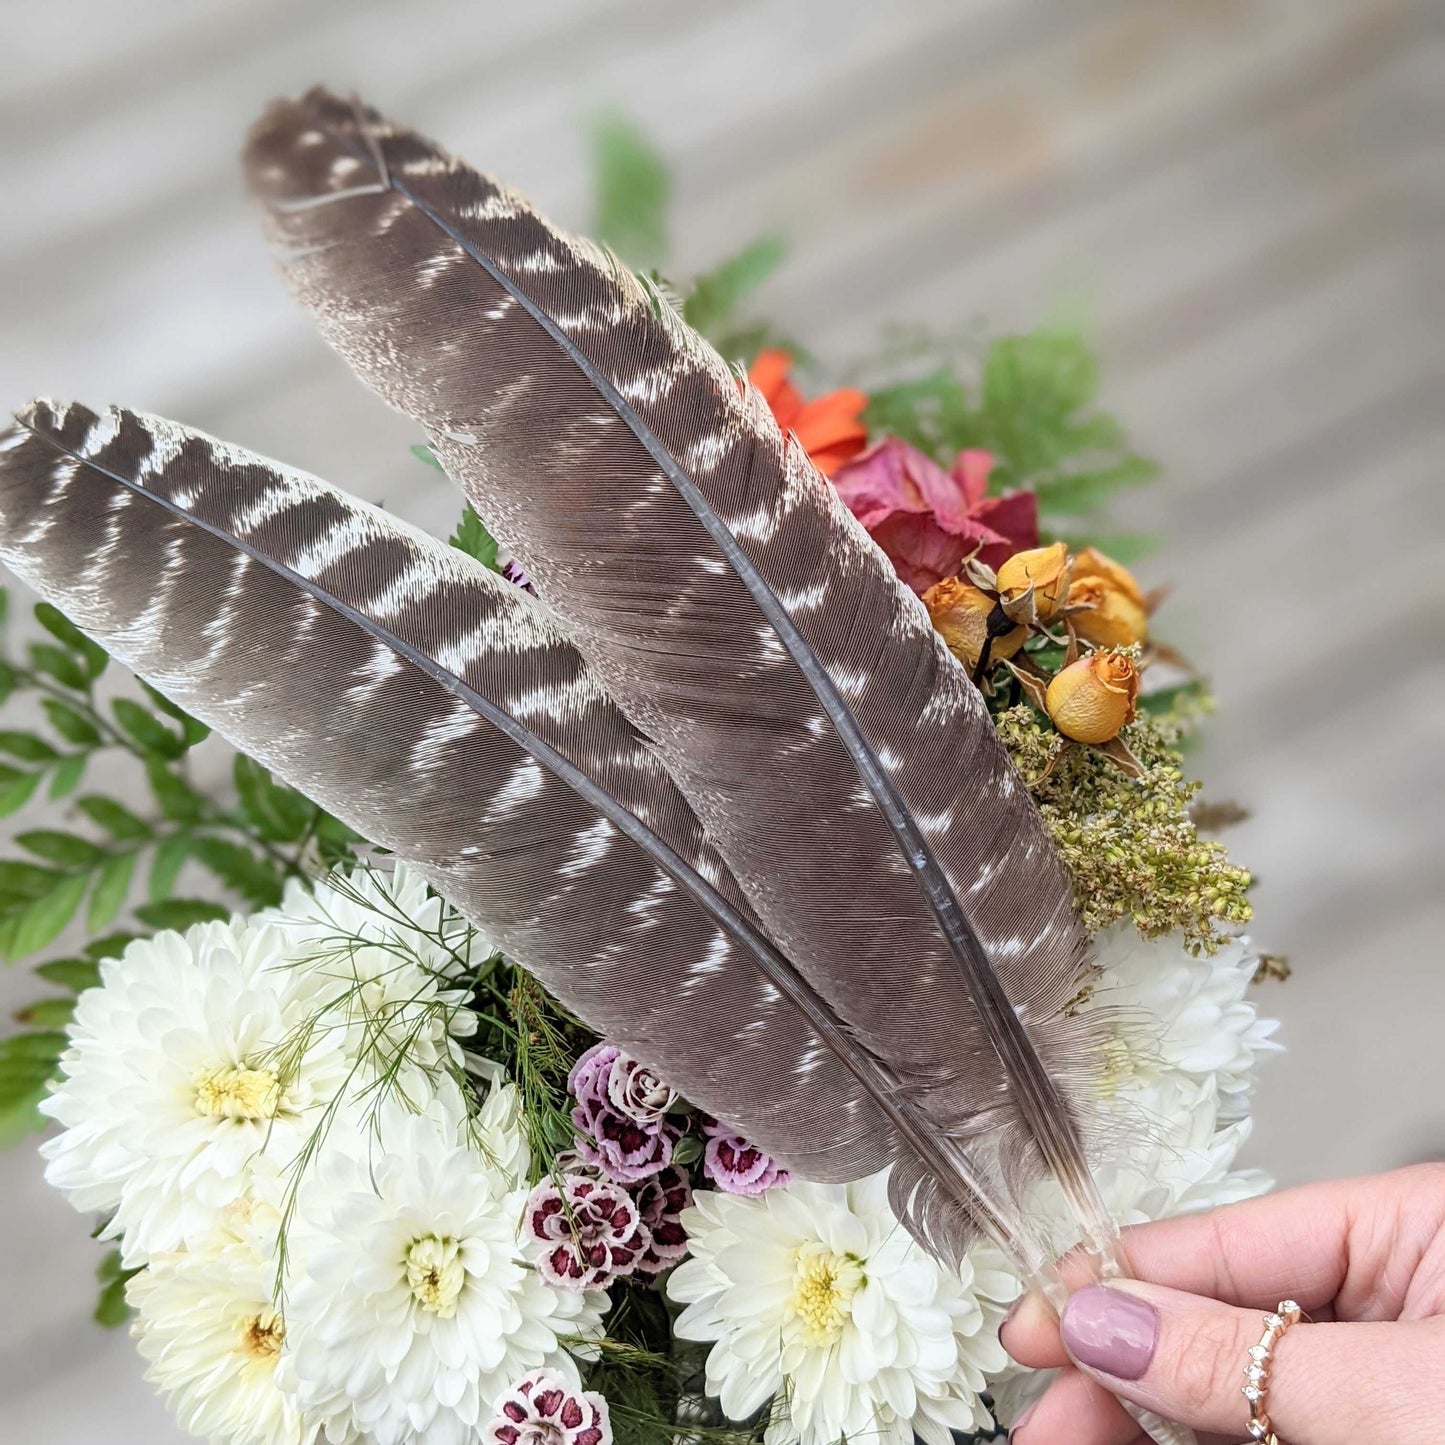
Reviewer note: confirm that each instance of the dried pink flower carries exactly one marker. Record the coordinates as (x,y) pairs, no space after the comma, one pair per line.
(589,1230)
(928,520)
(736,1166)
(660,1201)
(620,1115)
(544,1409)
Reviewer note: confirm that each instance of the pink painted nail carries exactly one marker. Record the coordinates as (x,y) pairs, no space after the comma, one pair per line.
(1110,1331)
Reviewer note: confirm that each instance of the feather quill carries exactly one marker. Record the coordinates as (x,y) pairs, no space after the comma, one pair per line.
(435,707)
(832,747)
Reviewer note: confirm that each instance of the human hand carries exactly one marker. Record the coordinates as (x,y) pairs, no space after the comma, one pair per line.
(1364,1258)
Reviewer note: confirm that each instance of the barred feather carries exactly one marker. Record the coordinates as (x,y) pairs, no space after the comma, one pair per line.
(434,707)
(835,751)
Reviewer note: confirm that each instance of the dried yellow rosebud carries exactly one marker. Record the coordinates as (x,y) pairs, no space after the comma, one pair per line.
(960,612)
(1112,608)
(1091,699)
(1034,585)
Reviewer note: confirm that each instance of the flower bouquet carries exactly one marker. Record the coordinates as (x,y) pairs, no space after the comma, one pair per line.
(519,1101)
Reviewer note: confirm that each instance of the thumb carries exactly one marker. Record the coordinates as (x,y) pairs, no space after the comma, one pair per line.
(1184,1357)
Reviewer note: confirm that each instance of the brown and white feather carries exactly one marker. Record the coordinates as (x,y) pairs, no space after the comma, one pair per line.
(233,584)
(577,410)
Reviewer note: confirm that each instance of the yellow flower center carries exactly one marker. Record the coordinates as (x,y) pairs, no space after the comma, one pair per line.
(1119,1066)
(435,1273)
(823,1290)
(234,1093)
(261,1335)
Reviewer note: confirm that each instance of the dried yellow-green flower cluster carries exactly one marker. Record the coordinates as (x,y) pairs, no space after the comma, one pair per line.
(1129,844)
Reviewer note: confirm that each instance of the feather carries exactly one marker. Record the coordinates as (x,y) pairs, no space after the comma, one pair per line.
(834,750)
(433,706)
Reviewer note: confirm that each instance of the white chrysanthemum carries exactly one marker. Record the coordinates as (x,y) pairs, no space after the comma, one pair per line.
(207,1325)
(498,1134)
(815,1295)
(380,959)
(183,1066)
(1182,1021)
(409,1305)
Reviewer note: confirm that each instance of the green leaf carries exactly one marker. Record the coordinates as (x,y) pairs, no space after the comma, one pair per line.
(177,800)
(181,913)
(47,1013)
(145,731)
(632,191)
(41,1049)
(76,974)
(67,849)
(716,294)
(170,857)
(254,878)
(15,794)
(278,813)
(335,842)
(117,820)
(66,775)
(113,1276)
(42,921)
(193,730)
(92,655)
(111,1268)
(27,747)
(111,946)
(111,1310)
(110,892)
(56,662)
(473,538)
(424,453)
(20,1116)
(73,726)
(931,413)
(26,880)
(8,681)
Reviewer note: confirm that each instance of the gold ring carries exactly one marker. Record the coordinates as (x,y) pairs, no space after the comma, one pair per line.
(1256,1373)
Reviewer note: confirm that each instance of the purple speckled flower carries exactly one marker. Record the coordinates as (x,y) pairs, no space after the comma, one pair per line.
(660,1201)
(544,1409)
(620,1115)
(513,572)
(589,1230)
(736,1166)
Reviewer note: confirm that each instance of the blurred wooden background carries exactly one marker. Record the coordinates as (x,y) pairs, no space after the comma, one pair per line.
(1244,195)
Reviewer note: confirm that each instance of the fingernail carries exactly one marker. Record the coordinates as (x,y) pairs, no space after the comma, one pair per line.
(1013,1309)
(1110,1331)
(1013,1434)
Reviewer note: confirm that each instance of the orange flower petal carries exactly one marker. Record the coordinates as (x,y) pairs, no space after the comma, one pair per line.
(769,373)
